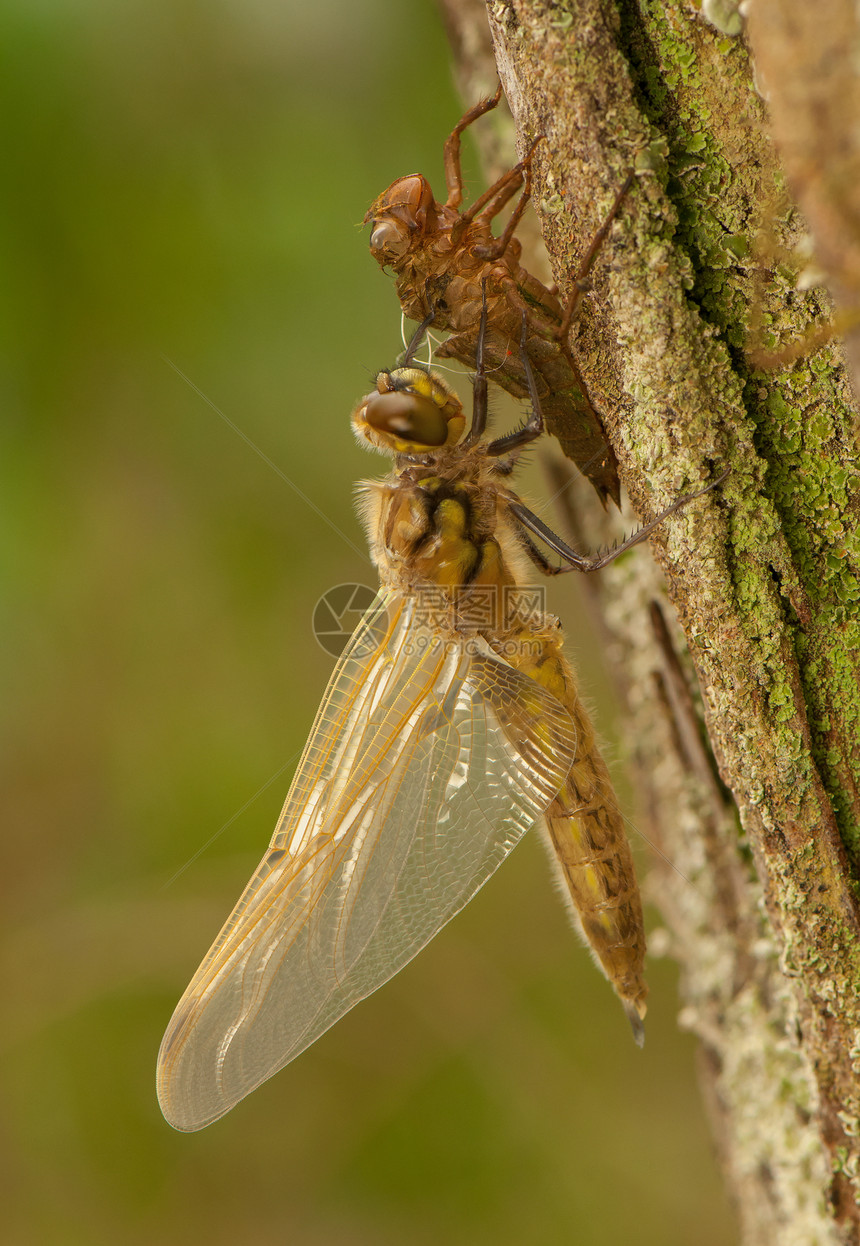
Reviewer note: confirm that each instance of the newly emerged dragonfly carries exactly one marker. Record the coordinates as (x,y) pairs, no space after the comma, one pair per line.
(443,258)
(451,725)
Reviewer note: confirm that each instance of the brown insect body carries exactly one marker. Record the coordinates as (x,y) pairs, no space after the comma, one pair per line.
(443,259)
(451,725)
(444,518)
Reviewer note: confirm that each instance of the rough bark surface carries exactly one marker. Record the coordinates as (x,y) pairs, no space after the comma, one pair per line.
(701,278)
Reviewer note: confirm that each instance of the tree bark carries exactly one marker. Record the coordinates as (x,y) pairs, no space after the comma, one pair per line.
(700,285)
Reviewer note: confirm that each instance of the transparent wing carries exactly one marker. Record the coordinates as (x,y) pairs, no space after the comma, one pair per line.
(428,761)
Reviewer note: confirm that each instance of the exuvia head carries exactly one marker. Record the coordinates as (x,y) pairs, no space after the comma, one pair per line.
(406,211)
(412,411)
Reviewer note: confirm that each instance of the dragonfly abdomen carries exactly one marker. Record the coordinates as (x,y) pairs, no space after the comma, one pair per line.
(588,842)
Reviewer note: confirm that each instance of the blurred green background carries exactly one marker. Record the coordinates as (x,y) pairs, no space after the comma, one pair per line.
(185,183)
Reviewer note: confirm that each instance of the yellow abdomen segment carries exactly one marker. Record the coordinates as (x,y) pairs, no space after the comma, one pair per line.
(586,832)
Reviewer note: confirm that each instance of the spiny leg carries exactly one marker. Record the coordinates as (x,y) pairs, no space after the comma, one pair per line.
(531,430)
(516,300)
(584,406)
(534,426)
(500,244)
(578,562)
(580,286)
(451,151)
(479,380)
(491,202)
(580,281)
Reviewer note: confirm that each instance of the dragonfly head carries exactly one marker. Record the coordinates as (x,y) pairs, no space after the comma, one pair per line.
(411,411)
(406,211)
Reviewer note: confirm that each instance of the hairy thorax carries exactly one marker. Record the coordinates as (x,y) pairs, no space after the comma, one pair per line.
(441,524)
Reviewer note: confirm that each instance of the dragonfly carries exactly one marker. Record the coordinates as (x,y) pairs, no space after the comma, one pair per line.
(450,727)
(444,257)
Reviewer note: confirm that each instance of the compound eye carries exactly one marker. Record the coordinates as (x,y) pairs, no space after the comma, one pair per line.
(390,237)
(408,417)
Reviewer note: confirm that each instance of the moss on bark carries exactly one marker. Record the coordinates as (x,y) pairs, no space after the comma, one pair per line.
(700,280)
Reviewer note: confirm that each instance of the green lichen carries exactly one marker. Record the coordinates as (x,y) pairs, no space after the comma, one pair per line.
(804,422)
(756,588)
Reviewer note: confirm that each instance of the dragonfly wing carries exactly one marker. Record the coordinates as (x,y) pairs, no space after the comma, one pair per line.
(429,759)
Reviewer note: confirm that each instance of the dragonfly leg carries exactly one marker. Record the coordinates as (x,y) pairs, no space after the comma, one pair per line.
(499,246)
(578,562)
(417,338)
(451,150)
(516,300)
(534,426)
(536,554)
(479,380)
(491,202)
(580,281)
(519,304)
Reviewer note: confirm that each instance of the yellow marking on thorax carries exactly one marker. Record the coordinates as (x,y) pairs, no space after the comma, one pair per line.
(451,557)
(492,569)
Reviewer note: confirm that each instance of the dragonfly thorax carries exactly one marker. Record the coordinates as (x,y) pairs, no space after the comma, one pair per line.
(434,528)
